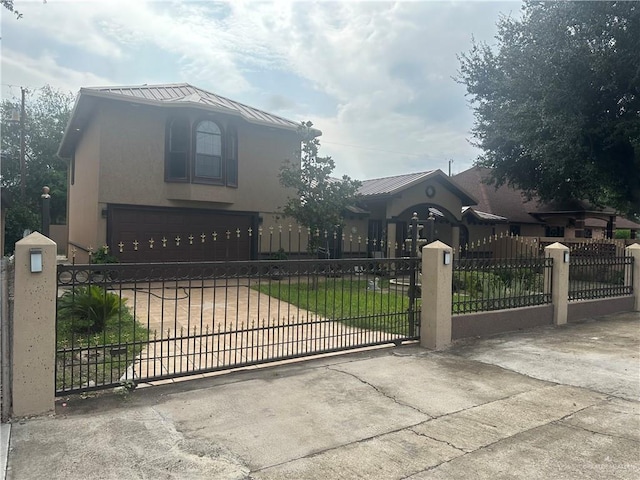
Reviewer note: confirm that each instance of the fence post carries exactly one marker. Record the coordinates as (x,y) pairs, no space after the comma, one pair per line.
(34,322)
(437,266)
(559,281)
(634,251)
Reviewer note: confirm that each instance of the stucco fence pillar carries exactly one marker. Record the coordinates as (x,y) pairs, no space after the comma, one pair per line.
(435,319)
(34,321)
(634,251)
(559,281)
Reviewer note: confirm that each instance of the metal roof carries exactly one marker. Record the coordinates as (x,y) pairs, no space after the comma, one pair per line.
(165,95)
(381,187)
(184,93)
(391,185)
(488,217)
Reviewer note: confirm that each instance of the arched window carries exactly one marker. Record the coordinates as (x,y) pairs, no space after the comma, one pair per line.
(178,146)
(208,151)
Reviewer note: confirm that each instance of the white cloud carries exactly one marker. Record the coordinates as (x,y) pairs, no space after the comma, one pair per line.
(35,72)
(386,67)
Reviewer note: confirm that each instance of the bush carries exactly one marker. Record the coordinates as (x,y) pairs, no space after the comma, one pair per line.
(87,309)
(473,282)
(102,255)
(19,218)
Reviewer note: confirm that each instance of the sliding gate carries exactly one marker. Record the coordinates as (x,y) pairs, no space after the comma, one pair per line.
(119,324)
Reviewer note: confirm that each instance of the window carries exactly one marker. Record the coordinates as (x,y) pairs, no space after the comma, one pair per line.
(554,231)
(201,152)
(232,158)
(208,162)
(514,230)
(178,147)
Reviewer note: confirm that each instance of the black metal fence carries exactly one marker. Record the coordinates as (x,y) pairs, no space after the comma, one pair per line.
(128,323)
(600,276)
(487,284)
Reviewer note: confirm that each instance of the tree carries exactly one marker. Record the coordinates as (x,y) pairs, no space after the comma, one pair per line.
(47,112)
(557,102)
(8,4)
(321,199)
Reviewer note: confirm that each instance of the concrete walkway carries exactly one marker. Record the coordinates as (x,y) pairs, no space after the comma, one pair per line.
(549,403)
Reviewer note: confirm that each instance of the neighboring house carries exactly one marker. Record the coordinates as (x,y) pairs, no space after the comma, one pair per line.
(531,218)
(387,204)
(170,163)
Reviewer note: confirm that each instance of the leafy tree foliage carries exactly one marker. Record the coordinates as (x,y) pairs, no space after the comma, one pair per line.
(47,112)
(8,4)
(557,101)
(320,199)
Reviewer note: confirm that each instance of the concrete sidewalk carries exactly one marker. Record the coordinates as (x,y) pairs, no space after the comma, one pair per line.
(549,403)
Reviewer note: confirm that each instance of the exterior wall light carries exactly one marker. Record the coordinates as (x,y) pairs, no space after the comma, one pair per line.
(566,256)
(36,260)
(447,257)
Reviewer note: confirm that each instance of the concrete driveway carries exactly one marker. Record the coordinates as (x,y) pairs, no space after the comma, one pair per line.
(548,403)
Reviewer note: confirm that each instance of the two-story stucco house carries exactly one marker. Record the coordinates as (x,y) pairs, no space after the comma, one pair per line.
(156,160)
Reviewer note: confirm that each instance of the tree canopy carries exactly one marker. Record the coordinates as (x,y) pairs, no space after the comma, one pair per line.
(8,4)
(47,112)
(557,101)
(320,199)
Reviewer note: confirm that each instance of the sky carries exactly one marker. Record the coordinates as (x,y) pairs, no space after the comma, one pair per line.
(375,77)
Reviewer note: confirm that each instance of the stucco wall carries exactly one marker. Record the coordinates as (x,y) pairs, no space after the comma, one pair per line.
(132,151)
(416,196)
(83,209)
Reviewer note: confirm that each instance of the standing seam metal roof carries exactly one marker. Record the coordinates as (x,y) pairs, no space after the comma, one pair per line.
(390,185)
(184,92)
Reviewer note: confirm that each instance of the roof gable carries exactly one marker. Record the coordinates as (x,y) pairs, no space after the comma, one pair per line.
(387,186)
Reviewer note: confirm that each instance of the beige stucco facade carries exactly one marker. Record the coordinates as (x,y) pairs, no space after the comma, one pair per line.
(120,160)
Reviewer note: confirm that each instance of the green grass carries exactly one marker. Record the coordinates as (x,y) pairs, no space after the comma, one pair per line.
(116,345)
(347,301)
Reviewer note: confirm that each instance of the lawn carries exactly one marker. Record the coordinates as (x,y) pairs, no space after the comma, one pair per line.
(97,339)
(347,301)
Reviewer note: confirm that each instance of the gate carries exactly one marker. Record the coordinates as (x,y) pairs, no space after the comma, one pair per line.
(121,324)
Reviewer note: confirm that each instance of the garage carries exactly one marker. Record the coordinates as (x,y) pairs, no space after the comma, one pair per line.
(151,234)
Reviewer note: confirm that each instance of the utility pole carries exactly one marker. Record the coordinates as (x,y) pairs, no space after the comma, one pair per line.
(23,166)
(450,162)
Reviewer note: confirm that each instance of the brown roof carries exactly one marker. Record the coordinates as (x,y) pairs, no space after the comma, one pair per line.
(512,203)
(504,201)
(625,223)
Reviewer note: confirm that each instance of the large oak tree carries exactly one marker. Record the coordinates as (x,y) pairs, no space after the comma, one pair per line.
(557,101)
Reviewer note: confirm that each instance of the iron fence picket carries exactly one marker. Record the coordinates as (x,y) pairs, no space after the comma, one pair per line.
(592,277)
(177,319)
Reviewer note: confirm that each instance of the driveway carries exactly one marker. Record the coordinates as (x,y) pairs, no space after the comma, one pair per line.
(548,403)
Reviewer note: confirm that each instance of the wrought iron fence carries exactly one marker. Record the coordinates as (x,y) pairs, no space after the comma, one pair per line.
(275,242)
(487,284)
(121,323)
(600,276)
(501,246)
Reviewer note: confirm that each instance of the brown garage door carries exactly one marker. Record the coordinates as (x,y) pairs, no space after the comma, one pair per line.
(179,235)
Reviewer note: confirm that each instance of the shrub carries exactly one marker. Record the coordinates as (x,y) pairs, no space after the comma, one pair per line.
(473,282)
(102,255)
(87,309)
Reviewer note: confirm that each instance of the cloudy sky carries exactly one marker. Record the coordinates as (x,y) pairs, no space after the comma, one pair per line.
(375,77)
